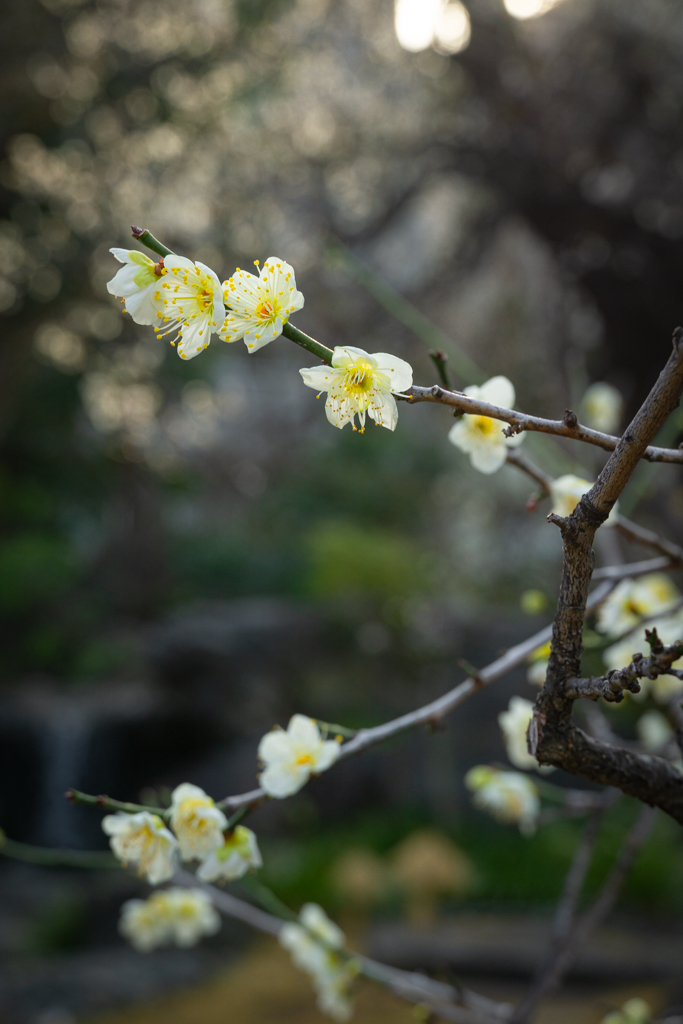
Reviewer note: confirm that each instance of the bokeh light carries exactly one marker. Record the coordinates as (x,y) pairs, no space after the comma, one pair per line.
(529,8)
(453,30)
(423,23)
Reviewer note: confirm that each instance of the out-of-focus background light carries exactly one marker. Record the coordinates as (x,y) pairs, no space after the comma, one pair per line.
(529,8)
(423,23)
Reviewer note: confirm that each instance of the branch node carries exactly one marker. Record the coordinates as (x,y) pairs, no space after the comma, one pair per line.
(137,232)
(570,419)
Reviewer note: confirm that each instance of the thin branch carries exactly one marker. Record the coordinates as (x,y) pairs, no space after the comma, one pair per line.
(147,238)
(108,803)
(611,686)
(575,936)
(91,859)
(640,535)
(633,569)
(440,360)
(436,710)
(544,480)
(568,427)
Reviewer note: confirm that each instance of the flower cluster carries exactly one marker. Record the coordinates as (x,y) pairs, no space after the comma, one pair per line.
(510,797)
(179,917)
(315,945)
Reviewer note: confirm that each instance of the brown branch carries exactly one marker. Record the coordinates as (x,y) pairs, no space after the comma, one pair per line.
(633,569)
(611,686)
(640,535)
(519,421)
(552,737)
(544,480)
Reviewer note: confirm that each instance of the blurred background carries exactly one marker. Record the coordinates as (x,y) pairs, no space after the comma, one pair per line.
(190,553)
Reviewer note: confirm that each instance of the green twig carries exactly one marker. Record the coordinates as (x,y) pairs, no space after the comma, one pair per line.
(107,803)
(440,359)
(267,898)
(56,857)
(299,338)
(148,239)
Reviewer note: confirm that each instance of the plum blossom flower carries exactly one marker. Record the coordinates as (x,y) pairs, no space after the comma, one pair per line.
(514,724)
(291,757)
(313,946)
(481,437)
(174,916)
(663,688)
(259,307)
(654,732)
(136,283)
(566,493)
(143,840)
(538,664)
(602,407)
(632,600)
(357,383)
(196,821)
(634,1011)
(189,300)
(238,854)
(510,797)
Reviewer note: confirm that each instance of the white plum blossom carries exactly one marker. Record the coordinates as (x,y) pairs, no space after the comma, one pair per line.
(514,724)
(196,821)
(538,664)
(313,946)
(358,382)
(663,688)
(602,407)
(174,916)
(135,283)
(632,600)
(654,732)
(484,438)
(143,840)
(566,493)
(291,757)
(238,854)
(510,797)
(259,307)
(634,1011)
(189,301)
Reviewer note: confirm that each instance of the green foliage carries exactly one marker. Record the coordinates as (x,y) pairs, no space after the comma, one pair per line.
(34,568)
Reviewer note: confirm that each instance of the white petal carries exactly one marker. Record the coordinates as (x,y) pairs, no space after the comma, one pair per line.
(275,746)
(262,335)
(174,262)
(320,378)
(142,307)
(123,283)
(387,413)
(327,756)
(488,458)
(303,731)
(498,391)
(338,413)
(214,277)
(461,436)
(186,791)
(279,781)
(399,372)
(345,354)
(122,255)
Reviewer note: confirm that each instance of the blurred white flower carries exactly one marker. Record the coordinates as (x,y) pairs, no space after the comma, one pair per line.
(439,23)
(510,797)
(196,821)
(259,307)
(669,630)
(291,757)
(143,840)
(514,724)
(189,300)
(654,732)
(136,283)
(538,664)
(602,407)
(357,383)
(566,493)
(524,9)
(238,854)
(632,600)
(481,437)
(634,1011)
(312,945)
(174,916)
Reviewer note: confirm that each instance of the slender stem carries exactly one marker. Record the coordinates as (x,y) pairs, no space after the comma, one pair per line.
(147,238)
(91,859)
(299,338)
(440,360)
(108,803)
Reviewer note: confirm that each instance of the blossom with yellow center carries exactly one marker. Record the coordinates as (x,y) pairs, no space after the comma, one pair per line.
(136,283)
(566,493)
(632,600)
(538,664)
(510,797)
(143,840)
(238,854)
(189,301)
(481,437)
(174,916)
(291,757)
(196,821)
(602,407)
(358,382)
(259,307)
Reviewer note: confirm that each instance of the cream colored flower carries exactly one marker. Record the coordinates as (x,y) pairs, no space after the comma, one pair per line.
(632,600)
(566,493)
(669,630)
(259,307)
(238,854)
(602,407)
(634,1011)
(196,821)
(481,437)
(313,946)
(514,724)
(143,840)
(136,283)
(174,916)
(538,665)
(291,757)
(357,383)
(654,732)
(189,301)
(510,797)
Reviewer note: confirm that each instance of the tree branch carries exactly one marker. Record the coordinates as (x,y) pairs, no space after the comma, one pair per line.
(611,686)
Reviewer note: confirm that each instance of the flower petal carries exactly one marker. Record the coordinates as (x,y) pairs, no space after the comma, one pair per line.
(400,372)
(488,458)
(498,391)
(275,746)
(320,378)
